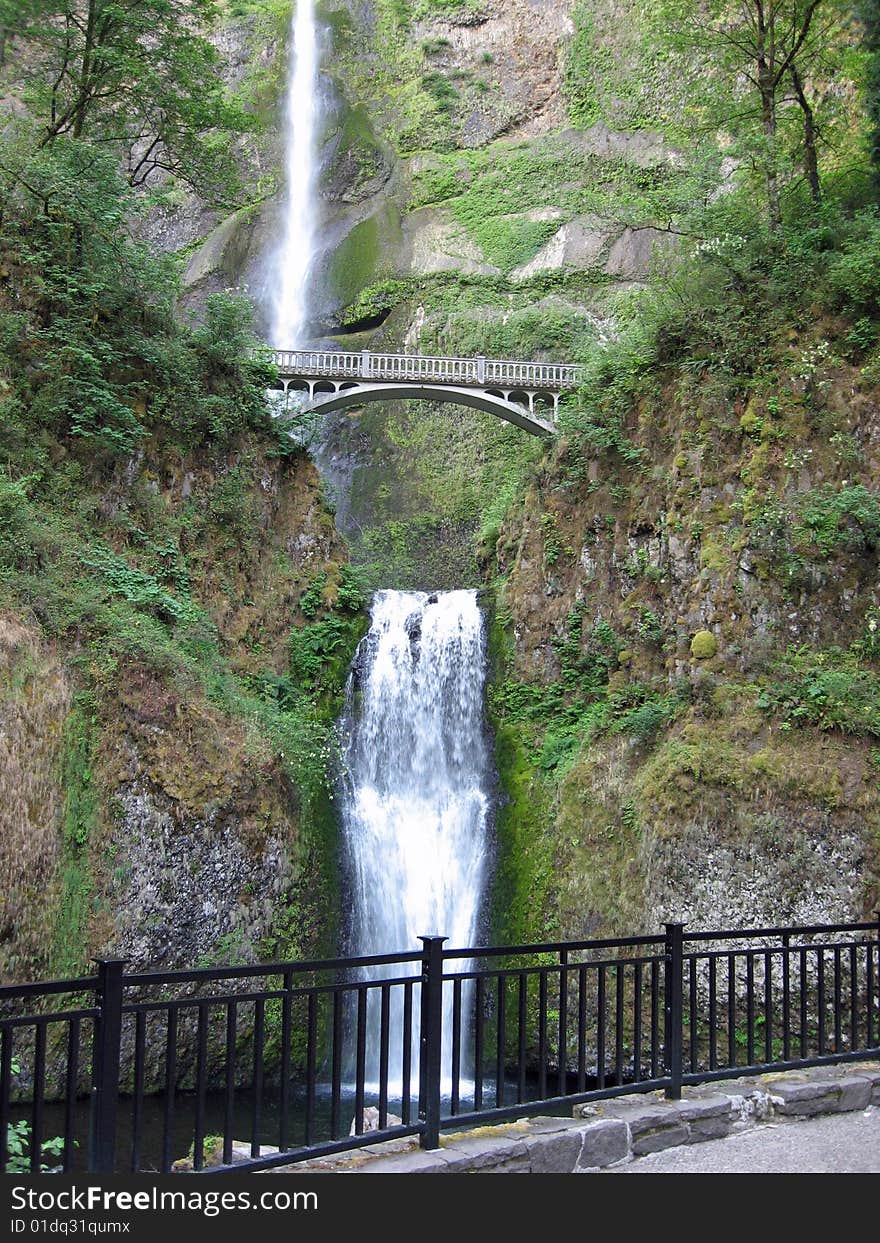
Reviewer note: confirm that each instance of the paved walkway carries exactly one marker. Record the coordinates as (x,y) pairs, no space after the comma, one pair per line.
(835,1144)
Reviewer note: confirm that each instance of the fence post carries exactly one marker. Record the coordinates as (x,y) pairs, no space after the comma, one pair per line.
(366,367)
(870,970)
(106,1040)
(431,1040)
(481,369)
(674,1008)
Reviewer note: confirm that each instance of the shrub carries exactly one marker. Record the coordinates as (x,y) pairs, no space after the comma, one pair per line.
(704,645)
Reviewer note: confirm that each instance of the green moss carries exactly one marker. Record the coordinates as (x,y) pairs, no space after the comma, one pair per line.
(365,255)
(70,923)
(704,645)
(524,855)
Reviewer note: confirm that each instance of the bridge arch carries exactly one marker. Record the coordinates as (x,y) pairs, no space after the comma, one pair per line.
(490,403)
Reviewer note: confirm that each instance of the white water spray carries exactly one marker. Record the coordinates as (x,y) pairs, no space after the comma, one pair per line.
(294,259)
(416,798)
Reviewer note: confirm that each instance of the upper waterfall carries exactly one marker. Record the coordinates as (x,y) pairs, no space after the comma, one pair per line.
(290,294)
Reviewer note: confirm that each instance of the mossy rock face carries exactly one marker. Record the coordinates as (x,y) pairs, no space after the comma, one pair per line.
(704,645)
(369,251)
(225,251)
(359,165)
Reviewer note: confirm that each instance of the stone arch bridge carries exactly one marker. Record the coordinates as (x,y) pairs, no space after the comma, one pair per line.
(524,393)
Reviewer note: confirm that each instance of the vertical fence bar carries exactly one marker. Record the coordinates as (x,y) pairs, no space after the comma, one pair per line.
(478,1042)
(284,1101)
(107,1037)
(713,1012)
(674,1010)
(5,1089)
(431,1040)
(750,1008)
(360,1073)
(582,1026)
(201,1088)
(542,1034)
(869,990)
(36,1137)
(170,1088)
(71,1086)
(692,1015)
(259,1039)
(229,1074)
(655,1019)
(456,1046)
(731,1010)
(406,1070)
(137,1106)
(521,1039)
(853,999)
(384,1042)
(311,1067)
(820,998)
(871,947)
(336,1068)
(786,996)
(562,1044)
(637,1022)
(600,1026)
(619,981)
(838,988)
(768,1006)
(501,1033)
(802,1000)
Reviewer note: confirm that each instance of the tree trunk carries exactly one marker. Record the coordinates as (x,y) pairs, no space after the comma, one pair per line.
(768,118)
(85,72)
(811,162)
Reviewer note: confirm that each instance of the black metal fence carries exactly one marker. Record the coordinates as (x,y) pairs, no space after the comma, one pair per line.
(259,1066)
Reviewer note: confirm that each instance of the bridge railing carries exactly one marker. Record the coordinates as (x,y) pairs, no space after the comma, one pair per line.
(272,1063)
(372,365)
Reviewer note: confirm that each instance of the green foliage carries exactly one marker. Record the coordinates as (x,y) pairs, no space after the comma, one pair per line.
(831,690)
(71,922)
(561,717)
(585,59)
(832,519)
(140,78)
(91,344)
(140,589)
(644,721)
(854,274)
(375,301)
(18,1137)
(14,518)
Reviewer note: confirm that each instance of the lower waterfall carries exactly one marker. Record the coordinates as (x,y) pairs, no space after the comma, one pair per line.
(416,785)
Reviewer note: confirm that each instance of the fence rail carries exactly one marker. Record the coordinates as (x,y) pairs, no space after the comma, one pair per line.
(373,366)
(263,1065)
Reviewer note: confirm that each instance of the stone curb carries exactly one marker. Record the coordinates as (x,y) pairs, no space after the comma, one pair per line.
(608,1132)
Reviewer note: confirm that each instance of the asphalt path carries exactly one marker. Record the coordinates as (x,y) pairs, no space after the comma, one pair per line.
(833,1144)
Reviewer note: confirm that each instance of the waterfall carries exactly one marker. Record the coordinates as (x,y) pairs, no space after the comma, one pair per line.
(294,258)
(415,800)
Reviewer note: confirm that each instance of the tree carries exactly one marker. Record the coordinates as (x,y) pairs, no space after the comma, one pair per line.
(870,15)
(138,75)
(757,56)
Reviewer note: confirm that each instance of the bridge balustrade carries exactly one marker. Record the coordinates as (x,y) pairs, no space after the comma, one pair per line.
(371,365)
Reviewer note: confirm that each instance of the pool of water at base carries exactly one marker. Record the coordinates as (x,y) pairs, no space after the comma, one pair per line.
(152,1125)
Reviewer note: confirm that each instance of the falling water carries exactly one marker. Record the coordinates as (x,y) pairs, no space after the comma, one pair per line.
(416,788)
(291,271)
